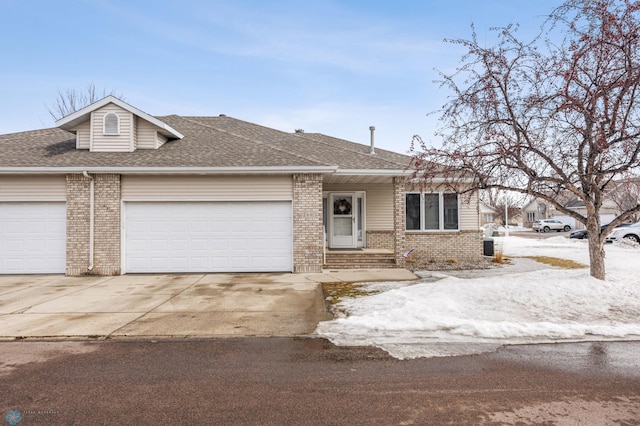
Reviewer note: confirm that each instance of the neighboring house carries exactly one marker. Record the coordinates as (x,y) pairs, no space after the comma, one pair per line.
(488,214)
(112,190)
(536,209)
(516,220)
(540,209)
(608,211)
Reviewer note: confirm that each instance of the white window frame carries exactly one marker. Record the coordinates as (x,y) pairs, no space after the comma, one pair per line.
(531,216)
(440,212)
(104,124)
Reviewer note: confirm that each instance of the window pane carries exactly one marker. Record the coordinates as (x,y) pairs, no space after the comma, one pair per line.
(359,217)
(111,123)
(431,211)
(412,207)
(450,202)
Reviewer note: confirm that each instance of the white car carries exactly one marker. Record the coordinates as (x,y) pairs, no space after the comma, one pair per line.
(546,225)
(631,232)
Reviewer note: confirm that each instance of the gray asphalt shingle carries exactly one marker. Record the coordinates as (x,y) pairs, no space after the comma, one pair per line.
(208,142)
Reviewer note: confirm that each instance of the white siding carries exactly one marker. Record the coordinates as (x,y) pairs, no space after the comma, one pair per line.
(111,143)
(469,213)
(161,139)
(83,140)
(33,188)
(134,132)
(148,135)
(378,203)
(206,188)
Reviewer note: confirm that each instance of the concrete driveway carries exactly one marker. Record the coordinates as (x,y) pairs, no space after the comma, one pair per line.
(156,306)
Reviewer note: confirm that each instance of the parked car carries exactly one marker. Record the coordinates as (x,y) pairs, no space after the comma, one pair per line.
(631,232)
(582,234)
(546,225)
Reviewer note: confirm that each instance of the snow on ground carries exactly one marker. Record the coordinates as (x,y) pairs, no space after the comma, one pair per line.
(456,316)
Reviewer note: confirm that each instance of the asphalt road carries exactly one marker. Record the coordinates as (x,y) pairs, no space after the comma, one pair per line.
(276,381)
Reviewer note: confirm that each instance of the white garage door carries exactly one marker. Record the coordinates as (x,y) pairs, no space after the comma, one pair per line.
(208,237)
(32,238)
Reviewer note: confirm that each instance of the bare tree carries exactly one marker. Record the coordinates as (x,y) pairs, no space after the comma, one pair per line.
(556,114)
(71,100)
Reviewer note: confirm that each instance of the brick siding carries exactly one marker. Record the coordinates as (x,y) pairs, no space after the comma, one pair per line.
(307,223)
(380,239)
(399,228)
(445,246)
(106,247)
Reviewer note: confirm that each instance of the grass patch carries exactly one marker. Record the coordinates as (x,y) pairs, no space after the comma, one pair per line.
(499,258)
(556,261)
(335,292)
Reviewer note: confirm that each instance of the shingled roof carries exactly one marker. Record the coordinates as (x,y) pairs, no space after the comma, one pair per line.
(208,142)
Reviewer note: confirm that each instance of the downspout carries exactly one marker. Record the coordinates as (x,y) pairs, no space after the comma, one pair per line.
(91,217)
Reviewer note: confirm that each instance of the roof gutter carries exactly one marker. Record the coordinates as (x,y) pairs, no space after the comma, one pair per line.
(168,170)
(374,172)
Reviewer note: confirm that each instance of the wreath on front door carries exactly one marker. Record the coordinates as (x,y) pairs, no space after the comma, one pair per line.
(341,206)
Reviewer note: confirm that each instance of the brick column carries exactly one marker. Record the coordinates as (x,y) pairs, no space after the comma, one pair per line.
(399,246)
(307,223)
(106,246)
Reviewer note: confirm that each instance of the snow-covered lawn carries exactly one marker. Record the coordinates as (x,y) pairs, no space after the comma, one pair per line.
(456,316)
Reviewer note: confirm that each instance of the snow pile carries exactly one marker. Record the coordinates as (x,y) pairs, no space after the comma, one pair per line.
(461,316)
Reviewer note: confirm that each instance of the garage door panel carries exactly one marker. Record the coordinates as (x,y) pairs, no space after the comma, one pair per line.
(208,237)
(33,236)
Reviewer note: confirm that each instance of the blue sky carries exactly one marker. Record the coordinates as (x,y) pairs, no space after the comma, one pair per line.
(333,67)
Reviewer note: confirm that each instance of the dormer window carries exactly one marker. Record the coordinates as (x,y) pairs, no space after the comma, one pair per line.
(111,124)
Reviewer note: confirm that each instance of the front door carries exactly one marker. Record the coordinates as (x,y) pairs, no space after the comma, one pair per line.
(342,207)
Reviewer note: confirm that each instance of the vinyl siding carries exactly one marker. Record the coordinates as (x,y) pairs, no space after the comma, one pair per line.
(206,188)
(148,135)
(134,132)
(33,188)
(161,139)
(378,203)
(83,140)
(469,213)
(112,143)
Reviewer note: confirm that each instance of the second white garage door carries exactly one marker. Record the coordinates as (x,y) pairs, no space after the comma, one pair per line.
(208,237)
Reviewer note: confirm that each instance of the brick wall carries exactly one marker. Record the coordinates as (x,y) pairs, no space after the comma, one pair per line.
(106,259)
(445,246)
(307,223)
(399,228)
(380,239)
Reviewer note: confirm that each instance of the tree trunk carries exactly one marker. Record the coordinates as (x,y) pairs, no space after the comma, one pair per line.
(596,247)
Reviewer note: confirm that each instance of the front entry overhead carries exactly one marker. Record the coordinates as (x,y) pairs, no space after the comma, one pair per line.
(32,238)
(165,237)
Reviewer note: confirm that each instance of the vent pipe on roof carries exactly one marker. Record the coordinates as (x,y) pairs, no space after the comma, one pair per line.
(372,149)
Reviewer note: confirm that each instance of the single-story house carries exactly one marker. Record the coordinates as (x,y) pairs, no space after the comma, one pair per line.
(540,209)
(488,214)
(113,190)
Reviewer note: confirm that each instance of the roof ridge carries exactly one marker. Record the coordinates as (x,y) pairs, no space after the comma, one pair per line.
(253,140)
(304,135)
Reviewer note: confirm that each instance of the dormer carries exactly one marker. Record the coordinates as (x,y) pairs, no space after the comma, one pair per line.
(112,125)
